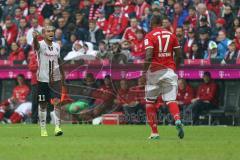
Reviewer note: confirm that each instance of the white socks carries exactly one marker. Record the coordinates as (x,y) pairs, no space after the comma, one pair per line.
(57,119)
(42,114)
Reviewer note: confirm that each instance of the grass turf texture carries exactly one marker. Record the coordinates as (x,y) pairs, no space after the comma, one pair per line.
(85,142)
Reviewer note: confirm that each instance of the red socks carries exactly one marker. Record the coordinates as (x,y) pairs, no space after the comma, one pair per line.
(174,110)
(151,112)
(16,118)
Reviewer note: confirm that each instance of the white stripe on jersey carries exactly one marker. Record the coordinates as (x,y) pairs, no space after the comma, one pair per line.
(48,58)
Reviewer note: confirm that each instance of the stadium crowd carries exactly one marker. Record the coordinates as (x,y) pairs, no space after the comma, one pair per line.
(115,30)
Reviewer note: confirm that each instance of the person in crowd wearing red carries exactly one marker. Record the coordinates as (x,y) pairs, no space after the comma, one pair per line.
(24,7)
(127,101)
(102,22)
(17,53)
(17,103)
(127,7)
(11,31)
(130,32)
(185,94)
(117,22)
(138,51)
(34,14)
(192,17)
(237,38)
(188,45)
(140,8)
(33,66)
(22,29)
(216,6)
(206,98)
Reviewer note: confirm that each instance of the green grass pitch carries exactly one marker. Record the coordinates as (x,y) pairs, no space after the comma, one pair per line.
(86,142)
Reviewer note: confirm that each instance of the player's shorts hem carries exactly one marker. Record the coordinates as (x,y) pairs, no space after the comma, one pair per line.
(148,47)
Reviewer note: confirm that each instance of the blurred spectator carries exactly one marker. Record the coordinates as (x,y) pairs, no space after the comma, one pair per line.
(139,91)
(116,56)
(138,51)
(3,45)
(24,46)
(210,16)
(203,39)
(9,9)
(24,7)
(128,7)
(102,50)
(222,43)
(188,45)
(179,16)
(233,27)
(33,14)
(232,53)
(11,31)
(17,16)
(130,32)
(220,23)
(212,52)
(237,38)
(206,98)
(94,9)
(127,100)
(59,36)
(33,66)
(95,34)
(44,8)
(145,20)
(229,19)
(77,50)
(81,20)
(185,94)
(17,53)
(62,24)
(34,27)
(67,16)
(17,106)
(22,29)
(192,17)
(140,8)
(126,50)
(117,23)
(181,39)
(216,6)
(167,24)
(196,53)
(102,22)
(170,8)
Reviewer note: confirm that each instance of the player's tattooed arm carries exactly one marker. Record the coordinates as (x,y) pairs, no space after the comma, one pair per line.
(148,59)
(35,40)
(177,55)
(60,63)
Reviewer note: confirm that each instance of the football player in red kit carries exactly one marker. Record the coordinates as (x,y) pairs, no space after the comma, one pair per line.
(162,48)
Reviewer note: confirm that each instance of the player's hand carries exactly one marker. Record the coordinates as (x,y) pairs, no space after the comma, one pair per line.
(35,34)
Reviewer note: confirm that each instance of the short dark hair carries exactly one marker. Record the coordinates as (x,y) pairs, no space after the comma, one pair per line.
(156,20)
(207,73)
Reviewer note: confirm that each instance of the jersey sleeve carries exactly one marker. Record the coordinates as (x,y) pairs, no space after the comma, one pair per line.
(148,42)
(175,42)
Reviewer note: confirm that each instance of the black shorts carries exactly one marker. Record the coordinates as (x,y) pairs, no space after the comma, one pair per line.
(46,91)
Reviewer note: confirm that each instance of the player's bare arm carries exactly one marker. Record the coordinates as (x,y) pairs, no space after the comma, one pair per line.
(148,59)
(35,40)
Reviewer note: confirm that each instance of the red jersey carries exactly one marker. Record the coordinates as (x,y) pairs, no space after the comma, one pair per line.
(139,92)
(21,93)
(130,33)
(185,95)
(163,43)
(208,92)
